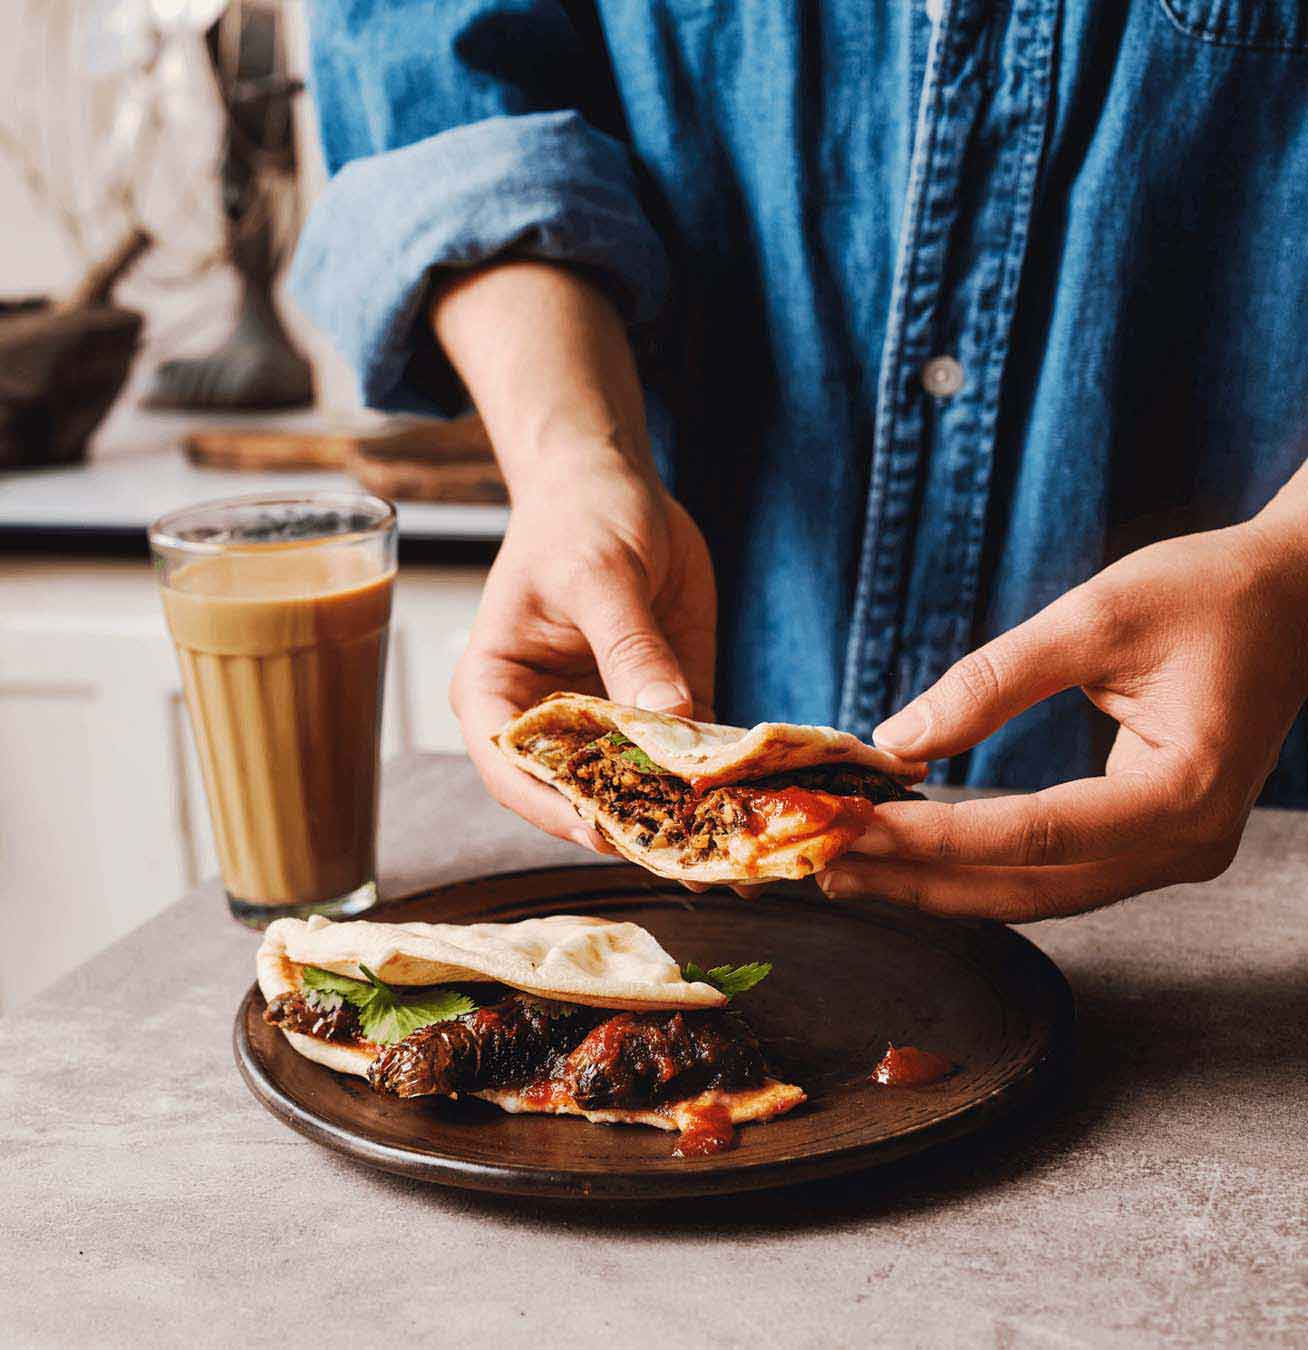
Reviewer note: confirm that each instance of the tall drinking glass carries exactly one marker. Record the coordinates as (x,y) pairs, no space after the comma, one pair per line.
(279,608)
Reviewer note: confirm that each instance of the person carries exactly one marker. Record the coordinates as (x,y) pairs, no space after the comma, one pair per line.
(933,370)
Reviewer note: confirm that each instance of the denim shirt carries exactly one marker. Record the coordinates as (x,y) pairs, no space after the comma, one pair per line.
(940,306)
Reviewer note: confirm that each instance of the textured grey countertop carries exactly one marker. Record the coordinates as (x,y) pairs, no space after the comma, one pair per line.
(146,1199)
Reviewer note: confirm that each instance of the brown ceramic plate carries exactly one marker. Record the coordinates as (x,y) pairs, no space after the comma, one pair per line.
(846,981)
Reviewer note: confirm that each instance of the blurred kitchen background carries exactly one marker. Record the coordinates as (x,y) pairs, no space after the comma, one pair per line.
(156,157)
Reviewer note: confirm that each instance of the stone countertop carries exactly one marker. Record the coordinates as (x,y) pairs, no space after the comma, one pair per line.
(148,1199)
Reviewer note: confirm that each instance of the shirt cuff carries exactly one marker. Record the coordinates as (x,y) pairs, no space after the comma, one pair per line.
(545,186)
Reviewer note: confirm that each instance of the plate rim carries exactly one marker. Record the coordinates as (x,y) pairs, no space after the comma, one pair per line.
(542,1182)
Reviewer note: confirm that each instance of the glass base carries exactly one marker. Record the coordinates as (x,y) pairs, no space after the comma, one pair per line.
(338,907)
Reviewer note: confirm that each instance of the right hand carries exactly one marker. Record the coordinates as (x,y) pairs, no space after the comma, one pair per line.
(603,585)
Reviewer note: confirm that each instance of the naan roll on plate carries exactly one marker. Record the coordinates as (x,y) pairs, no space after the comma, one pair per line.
(699,802)
(560,1015)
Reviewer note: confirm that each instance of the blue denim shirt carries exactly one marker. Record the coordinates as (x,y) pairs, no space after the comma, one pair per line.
(1094,213)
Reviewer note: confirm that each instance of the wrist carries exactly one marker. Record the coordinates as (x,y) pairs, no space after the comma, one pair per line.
(1278,536)
(1276,546)
(567,456)
(1282,525)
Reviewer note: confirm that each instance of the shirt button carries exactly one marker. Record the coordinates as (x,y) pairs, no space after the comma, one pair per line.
(942,377)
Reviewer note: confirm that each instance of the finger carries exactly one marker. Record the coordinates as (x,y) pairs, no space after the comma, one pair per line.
(1084,821)
(750,890)
(482,713)
(695,887)
(694,648)
(635,661)
(1052,651)
(1018,894)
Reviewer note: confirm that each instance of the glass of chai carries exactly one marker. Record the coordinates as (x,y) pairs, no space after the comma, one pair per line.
(279,608)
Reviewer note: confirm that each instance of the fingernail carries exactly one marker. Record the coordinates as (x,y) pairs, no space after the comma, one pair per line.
(660,696)
(876,839)
(836,883)
(585,839)
(902,730)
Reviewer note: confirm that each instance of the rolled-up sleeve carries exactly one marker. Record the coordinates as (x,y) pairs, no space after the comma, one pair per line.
(543,184)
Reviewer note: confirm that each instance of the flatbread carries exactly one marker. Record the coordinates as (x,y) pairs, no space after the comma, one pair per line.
(611,959)
(771,1098)
(795,844)
(566,957)
(705,754)
(277,976)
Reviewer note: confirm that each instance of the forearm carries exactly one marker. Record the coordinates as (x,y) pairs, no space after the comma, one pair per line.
(547,361)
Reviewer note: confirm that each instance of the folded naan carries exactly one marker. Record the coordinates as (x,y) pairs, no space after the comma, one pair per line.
(695,801)
(576,1016)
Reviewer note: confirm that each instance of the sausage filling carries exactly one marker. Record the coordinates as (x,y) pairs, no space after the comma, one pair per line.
(597,1057)
(666,812)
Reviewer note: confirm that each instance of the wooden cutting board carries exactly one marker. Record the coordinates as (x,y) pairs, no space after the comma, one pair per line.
(409,461)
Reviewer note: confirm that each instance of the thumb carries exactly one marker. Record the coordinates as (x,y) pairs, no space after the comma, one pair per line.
(635,662)
(1048,653)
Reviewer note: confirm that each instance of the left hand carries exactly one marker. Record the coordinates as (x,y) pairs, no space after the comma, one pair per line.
(1197,647)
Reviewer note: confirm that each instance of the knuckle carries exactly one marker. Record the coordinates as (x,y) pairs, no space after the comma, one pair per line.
(944,843)
(1042,841)
(1206,864)
(1211,801)
(589,568)
(911,892)
(1096,613)
(977,678)
(632,650)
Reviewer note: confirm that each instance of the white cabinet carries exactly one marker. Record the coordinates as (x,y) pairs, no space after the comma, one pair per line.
(102,814)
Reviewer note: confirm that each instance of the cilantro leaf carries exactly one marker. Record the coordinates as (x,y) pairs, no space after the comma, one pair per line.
(634,755)
(729,980)
(328,982)
(385,1015)
(386,1019)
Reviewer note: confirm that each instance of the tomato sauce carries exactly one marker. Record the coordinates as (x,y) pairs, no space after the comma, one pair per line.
(546,1095)
(907,1066)
(802,812)
(708,1131)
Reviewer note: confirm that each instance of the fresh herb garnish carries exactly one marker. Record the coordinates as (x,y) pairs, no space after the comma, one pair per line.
(385,1015)
(728,980)
(323,1000)
(633,754)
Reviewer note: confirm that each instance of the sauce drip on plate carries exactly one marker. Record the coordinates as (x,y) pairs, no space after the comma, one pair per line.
(907,1066)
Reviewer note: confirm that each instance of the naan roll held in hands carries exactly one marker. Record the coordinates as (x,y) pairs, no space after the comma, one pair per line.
(562,1015)
(695,801)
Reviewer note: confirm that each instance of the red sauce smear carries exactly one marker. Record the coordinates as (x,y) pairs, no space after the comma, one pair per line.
(819,811)
(545,1095)
(907,1066)
(710,1131)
